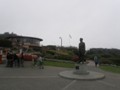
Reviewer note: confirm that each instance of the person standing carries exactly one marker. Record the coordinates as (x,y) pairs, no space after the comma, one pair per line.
(9,59)
(34,60)
(16,60)
(81,51)
(22,60)
(96,61)
(40,62)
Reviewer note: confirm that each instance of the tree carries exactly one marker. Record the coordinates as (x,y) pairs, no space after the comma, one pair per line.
(5,43)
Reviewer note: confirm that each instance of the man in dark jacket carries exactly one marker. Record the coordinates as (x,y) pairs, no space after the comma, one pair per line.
(9,59)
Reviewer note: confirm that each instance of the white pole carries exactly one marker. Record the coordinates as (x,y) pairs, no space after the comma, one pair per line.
(61,40)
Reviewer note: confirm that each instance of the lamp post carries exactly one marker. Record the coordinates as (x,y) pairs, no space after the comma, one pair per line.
(61,40)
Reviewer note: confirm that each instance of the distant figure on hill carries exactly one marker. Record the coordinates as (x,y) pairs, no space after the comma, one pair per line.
(81,51)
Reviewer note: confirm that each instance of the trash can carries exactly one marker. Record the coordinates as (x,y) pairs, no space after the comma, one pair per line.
(0,59)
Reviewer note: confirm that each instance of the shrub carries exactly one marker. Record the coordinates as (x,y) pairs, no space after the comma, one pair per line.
(50,52)
(5,43)
(63,57)
(75,58)
(115,61)
(105,61)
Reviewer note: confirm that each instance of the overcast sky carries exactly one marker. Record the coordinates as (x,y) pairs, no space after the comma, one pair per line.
(96,21)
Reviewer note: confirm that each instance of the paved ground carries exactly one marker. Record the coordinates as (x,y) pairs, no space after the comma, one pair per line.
(29,78)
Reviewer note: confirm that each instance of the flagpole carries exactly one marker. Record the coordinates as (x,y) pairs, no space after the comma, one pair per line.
(69,42)
(70,39)
(61,40)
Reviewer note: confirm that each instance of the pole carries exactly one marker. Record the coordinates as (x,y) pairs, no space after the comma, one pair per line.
(70,37)
(61,40)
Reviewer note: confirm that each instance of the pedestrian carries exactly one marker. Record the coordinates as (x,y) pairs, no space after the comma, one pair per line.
(96,60)
(9,59)
(16,60)
(34,60)
(22,60)
(40,62)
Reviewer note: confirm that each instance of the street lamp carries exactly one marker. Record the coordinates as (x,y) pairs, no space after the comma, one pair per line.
(61,40)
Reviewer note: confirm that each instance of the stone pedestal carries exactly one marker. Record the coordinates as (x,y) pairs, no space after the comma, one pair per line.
(81,73)
(80,69)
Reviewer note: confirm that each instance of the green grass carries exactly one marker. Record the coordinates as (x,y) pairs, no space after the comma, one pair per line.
(59,64)
(72,65)
(111,69)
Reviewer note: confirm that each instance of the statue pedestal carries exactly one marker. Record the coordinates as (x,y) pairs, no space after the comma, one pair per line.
(80,73)
(80,69)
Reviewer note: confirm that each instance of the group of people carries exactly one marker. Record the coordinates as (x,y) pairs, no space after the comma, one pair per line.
(14,60)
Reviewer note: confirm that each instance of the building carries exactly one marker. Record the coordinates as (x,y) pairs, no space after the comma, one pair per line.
(24,41)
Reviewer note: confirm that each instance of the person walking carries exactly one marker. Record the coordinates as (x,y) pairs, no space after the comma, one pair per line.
(96,60)
(40,62)
(34,61)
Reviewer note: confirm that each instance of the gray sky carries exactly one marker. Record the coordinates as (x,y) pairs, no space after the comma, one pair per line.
(96,21)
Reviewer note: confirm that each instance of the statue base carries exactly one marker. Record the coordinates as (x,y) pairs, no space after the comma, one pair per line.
(80,73)
(80,69)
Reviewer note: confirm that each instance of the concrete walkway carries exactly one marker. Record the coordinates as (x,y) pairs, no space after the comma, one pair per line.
(29,78)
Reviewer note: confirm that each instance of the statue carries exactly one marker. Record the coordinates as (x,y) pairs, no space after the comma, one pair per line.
(81,51)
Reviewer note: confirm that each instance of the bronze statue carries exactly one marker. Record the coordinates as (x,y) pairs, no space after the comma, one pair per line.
(81,51)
